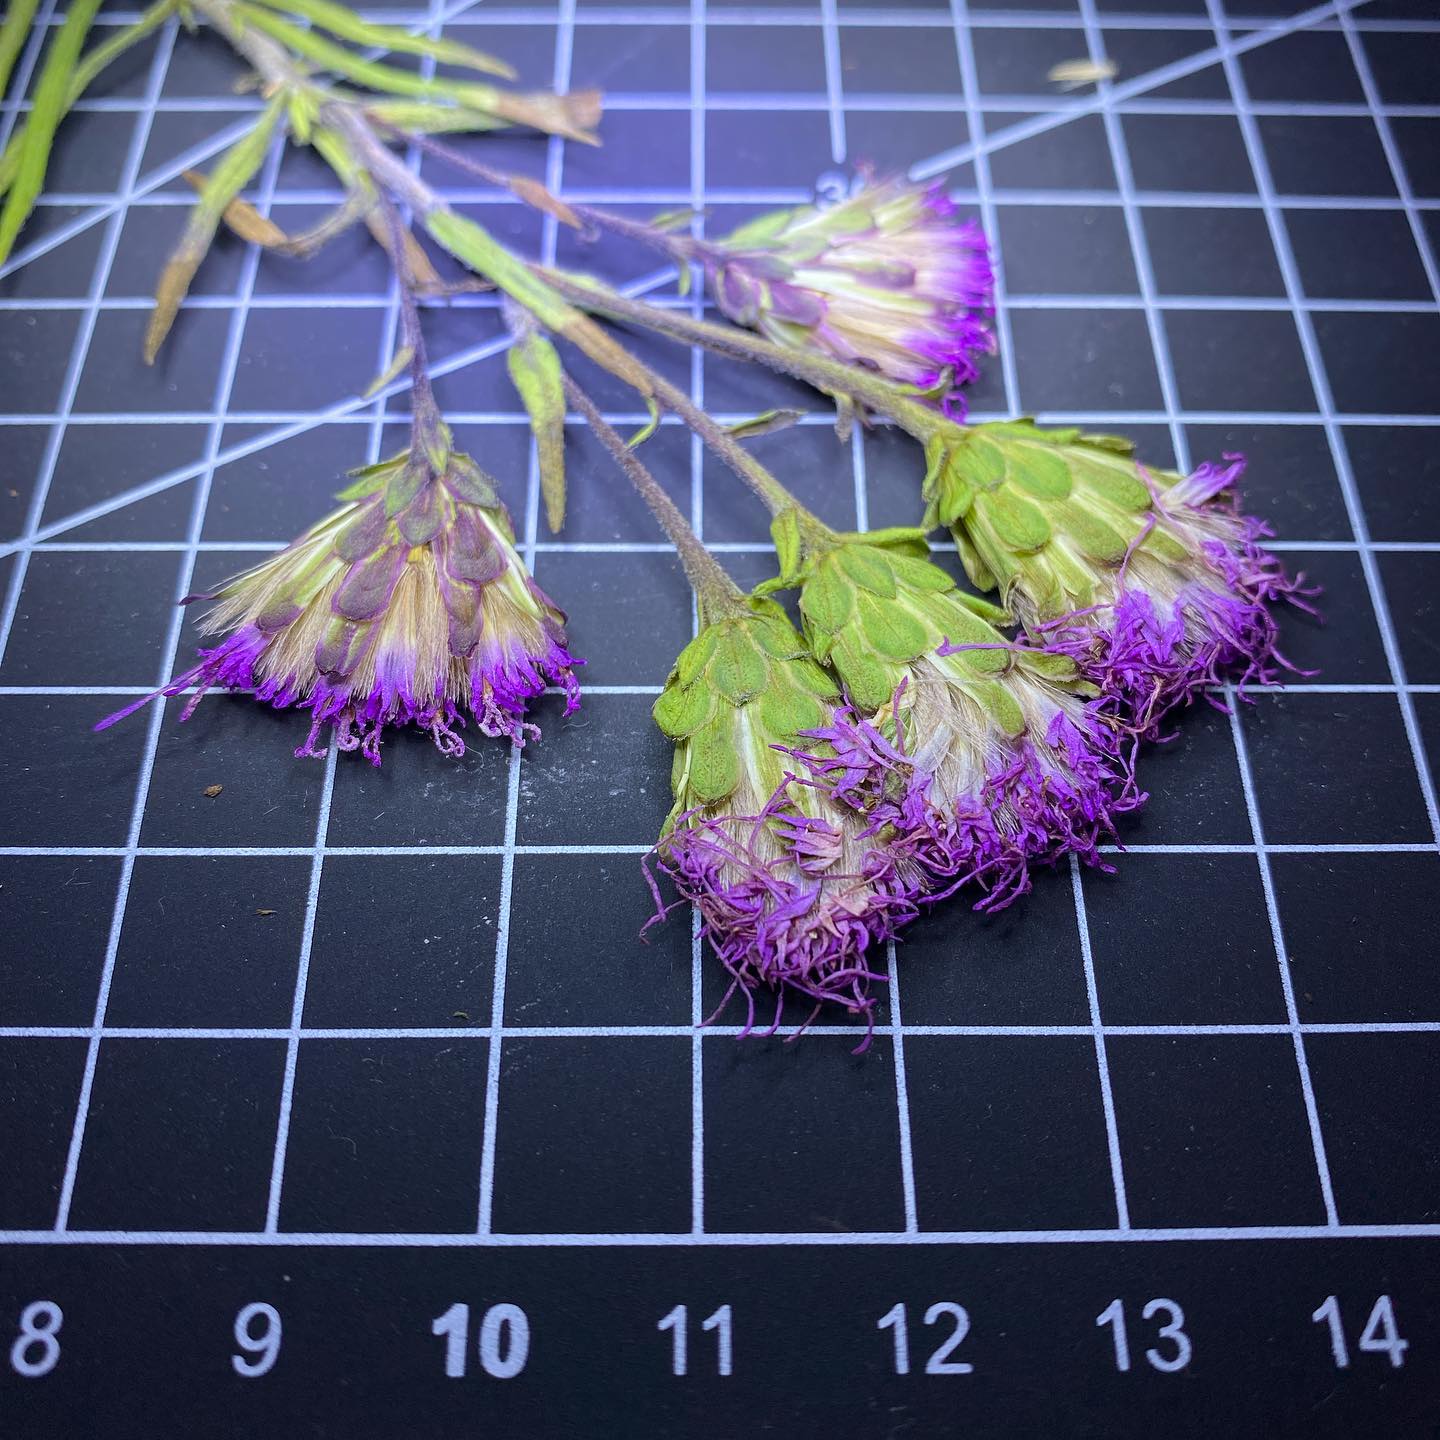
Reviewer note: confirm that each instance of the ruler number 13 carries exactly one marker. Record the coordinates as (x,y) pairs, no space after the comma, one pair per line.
(1176,1350)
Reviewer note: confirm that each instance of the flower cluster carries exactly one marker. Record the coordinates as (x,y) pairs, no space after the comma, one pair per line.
(406,606)
(1155,584)
(983,756)
(793,886)
(890,278)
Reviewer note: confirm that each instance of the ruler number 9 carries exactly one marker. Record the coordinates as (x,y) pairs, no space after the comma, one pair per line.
(1177,1349)
(257,1333)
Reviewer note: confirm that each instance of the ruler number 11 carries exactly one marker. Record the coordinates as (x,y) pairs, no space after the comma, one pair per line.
(722,1322)
(1380,1334)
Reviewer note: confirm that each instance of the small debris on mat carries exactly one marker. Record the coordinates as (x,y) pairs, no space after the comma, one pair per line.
(264,912)
(462,1015)
(1072,74)
(211,791)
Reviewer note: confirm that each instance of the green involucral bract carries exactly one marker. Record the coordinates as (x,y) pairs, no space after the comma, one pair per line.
(1045,511)
(743,685)
(872,612)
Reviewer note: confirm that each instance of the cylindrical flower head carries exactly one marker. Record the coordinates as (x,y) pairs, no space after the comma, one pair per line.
(791,885)
(1154,583)
(407,606)
(890,278)
(982,756)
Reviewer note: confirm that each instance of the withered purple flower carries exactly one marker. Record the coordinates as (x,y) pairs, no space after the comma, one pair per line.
(1156,584)
(406,606)
(890,278)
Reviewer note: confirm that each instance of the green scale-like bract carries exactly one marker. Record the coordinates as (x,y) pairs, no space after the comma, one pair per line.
(1047,511)
(873,607)
(744,684)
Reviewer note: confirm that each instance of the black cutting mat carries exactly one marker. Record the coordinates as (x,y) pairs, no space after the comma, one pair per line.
(363,1047)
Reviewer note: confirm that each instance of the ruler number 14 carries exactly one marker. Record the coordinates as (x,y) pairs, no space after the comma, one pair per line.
(1380,1334)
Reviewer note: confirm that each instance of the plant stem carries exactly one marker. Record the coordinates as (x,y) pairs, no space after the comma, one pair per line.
(426,424)
(872,390)
(717,594)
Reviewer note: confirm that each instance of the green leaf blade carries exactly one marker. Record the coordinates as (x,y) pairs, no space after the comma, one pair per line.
(50,105)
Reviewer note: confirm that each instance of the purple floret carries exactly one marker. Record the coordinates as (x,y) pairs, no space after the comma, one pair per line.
(778,913)
(1156,651)
(358,721)
(1032,807)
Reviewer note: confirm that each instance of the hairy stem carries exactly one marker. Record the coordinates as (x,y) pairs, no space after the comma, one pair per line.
(715,591)
(834,376)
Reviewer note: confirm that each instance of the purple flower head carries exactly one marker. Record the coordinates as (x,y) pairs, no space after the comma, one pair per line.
(406,606)
(979,756)
(793,886)
(890,279)
(1154,583)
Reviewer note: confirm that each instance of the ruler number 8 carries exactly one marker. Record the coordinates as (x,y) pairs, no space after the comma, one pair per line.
(35,1350)
(1176,1356)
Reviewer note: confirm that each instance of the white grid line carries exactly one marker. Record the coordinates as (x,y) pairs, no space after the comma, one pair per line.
(1102,1057)
(713,1033)
(699,168)
(898,16)
(229,366)
(296,1033)
(1266,33)
(327,785)
(554,176)
(84,333)
(1320,382)
(858,102)
(1127,90)
(1380,114)
(1282,960)
(197,154)
(250,852)
(712,1238)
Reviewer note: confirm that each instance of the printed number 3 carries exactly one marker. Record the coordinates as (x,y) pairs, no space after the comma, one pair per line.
(36,1351)
(1172,1330)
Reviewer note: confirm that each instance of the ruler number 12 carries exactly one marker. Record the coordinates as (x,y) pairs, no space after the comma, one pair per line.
(1380,1334)
(939,1362)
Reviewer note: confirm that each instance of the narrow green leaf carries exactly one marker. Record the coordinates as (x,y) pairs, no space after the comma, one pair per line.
(403,356)
(236,169)
(535,372)
(648,428)
(344,22)
(766,423)
(50,105)
(573,115)
(429,118)
(13,29)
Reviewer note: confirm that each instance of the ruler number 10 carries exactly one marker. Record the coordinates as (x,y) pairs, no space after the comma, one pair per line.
(1380,1334)
(503,1343)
